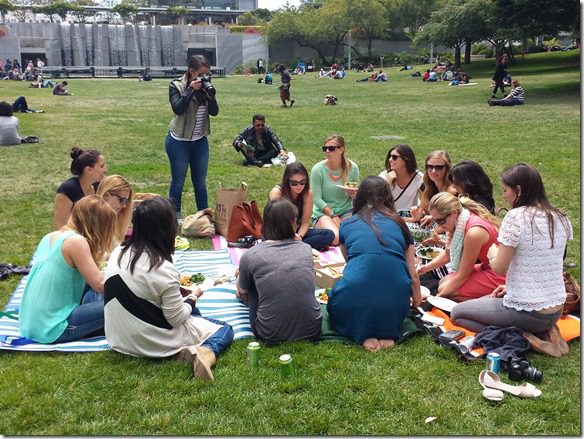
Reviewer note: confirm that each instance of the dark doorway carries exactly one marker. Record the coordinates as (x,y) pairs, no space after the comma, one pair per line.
(207,53)
(24,57)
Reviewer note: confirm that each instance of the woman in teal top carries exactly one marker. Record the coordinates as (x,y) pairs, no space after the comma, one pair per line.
(54,308)
(332,204)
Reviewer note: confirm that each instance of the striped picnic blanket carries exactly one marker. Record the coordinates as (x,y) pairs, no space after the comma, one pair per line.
(333,254)
(218,302)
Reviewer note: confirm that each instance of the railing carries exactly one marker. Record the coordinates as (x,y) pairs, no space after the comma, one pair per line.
(120,72)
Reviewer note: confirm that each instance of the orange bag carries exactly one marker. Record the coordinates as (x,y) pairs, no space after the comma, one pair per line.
(245,220)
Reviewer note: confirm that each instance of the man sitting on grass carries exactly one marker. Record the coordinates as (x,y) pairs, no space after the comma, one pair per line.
(516,97)
(258,143)
(60,89)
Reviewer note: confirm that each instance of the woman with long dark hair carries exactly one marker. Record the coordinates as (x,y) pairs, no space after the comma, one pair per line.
(371,300)
(88,168)
(186,141)
(532,240)
(401,172)
(295,187)
(332,205)
(145,313)
(470,179)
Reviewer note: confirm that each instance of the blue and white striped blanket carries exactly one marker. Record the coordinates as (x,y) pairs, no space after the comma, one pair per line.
(218,302)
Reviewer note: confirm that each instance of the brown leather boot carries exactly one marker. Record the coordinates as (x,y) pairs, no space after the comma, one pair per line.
(557,340)
(542,346)
(203,363)
(187,354)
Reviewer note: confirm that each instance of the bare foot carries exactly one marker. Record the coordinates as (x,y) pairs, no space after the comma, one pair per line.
(386,344)
(372,344)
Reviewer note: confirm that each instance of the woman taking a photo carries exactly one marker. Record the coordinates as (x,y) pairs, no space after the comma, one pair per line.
(118,193)
(145,313)
(332,204)
(404,179)
(470,230)
(88,169)
(276,279)
(370,301)
(186,141)
(295,187)
(470,179)
(532,240)
(436,179)
(54,307)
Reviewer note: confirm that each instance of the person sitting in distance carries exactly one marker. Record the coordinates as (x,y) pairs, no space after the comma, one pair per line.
(61,89)
(516,97)
(258,143)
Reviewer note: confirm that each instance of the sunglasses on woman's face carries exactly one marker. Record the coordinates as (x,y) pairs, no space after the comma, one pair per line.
(441,221)
(123,200)
(437,168)
(330,148)
(297,182)
(394,157)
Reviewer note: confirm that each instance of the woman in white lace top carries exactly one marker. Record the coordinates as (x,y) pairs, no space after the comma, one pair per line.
(532,239)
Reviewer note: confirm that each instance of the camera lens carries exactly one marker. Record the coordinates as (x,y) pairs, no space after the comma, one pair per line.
(533,374)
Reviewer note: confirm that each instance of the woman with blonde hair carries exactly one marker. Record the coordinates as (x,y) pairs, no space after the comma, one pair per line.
(118,193)
(55,308)
(470,230)
(332,204)
(436,179)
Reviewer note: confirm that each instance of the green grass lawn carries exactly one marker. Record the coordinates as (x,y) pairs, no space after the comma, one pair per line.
(339,389)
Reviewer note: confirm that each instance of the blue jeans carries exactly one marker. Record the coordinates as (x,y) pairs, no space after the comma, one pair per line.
(319,238)
(85,319)
(221,339)
(506,102)
(181,155)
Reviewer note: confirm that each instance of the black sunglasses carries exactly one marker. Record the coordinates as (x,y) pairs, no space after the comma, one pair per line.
(330,148)
(435,167)
(441,221)
(297,182)
(394,157)
(123,200)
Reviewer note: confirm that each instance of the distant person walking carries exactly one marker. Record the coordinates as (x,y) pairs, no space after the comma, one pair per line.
(285,87)
(260,66)
(499,75)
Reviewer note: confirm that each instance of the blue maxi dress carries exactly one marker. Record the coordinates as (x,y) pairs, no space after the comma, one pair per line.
(373,296)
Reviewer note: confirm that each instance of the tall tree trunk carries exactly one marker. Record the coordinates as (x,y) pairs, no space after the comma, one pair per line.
(457,50)
(467,49)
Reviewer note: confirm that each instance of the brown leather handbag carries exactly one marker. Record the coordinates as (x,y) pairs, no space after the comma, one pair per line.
(573,294)
(245,220)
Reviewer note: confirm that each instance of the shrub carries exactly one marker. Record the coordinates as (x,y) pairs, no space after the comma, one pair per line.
(248,67)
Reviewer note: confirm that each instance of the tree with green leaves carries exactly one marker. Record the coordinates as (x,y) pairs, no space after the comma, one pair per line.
(408,16)
(126,10)
(368,20)
(5,7)
(177,13)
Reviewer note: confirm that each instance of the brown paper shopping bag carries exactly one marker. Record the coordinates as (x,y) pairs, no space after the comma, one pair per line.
(227,198)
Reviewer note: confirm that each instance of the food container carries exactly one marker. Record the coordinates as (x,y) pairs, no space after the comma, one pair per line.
(327,275)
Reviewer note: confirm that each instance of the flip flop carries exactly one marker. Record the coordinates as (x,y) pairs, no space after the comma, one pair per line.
(493,381)
(490,393)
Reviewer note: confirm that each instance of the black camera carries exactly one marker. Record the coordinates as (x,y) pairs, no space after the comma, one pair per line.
(519,369)
(207,86)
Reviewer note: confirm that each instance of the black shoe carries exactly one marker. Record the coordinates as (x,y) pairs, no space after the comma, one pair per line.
(243,242)
(292,102)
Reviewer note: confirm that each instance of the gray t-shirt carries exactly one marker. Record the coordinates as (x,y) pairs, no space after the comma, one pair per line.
(9,131)
(283,275)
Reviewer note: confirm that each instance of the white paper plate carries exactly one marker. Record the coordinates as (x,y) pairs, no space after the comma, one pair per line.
(441,303)
(428,258)
(349,190)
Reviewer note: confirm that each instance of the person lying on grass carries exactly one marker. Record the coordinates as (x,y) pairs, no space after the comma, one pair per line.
(471,230)
(369,303)
(146,314)
(57,307)
(276,279)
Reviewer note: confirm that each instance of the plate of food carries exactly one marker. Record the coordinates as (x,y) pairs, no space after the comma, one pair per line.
(322,295)
(419,233)
(441,303)
(428,253)
(195,280)
(181,243)
(349,187)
